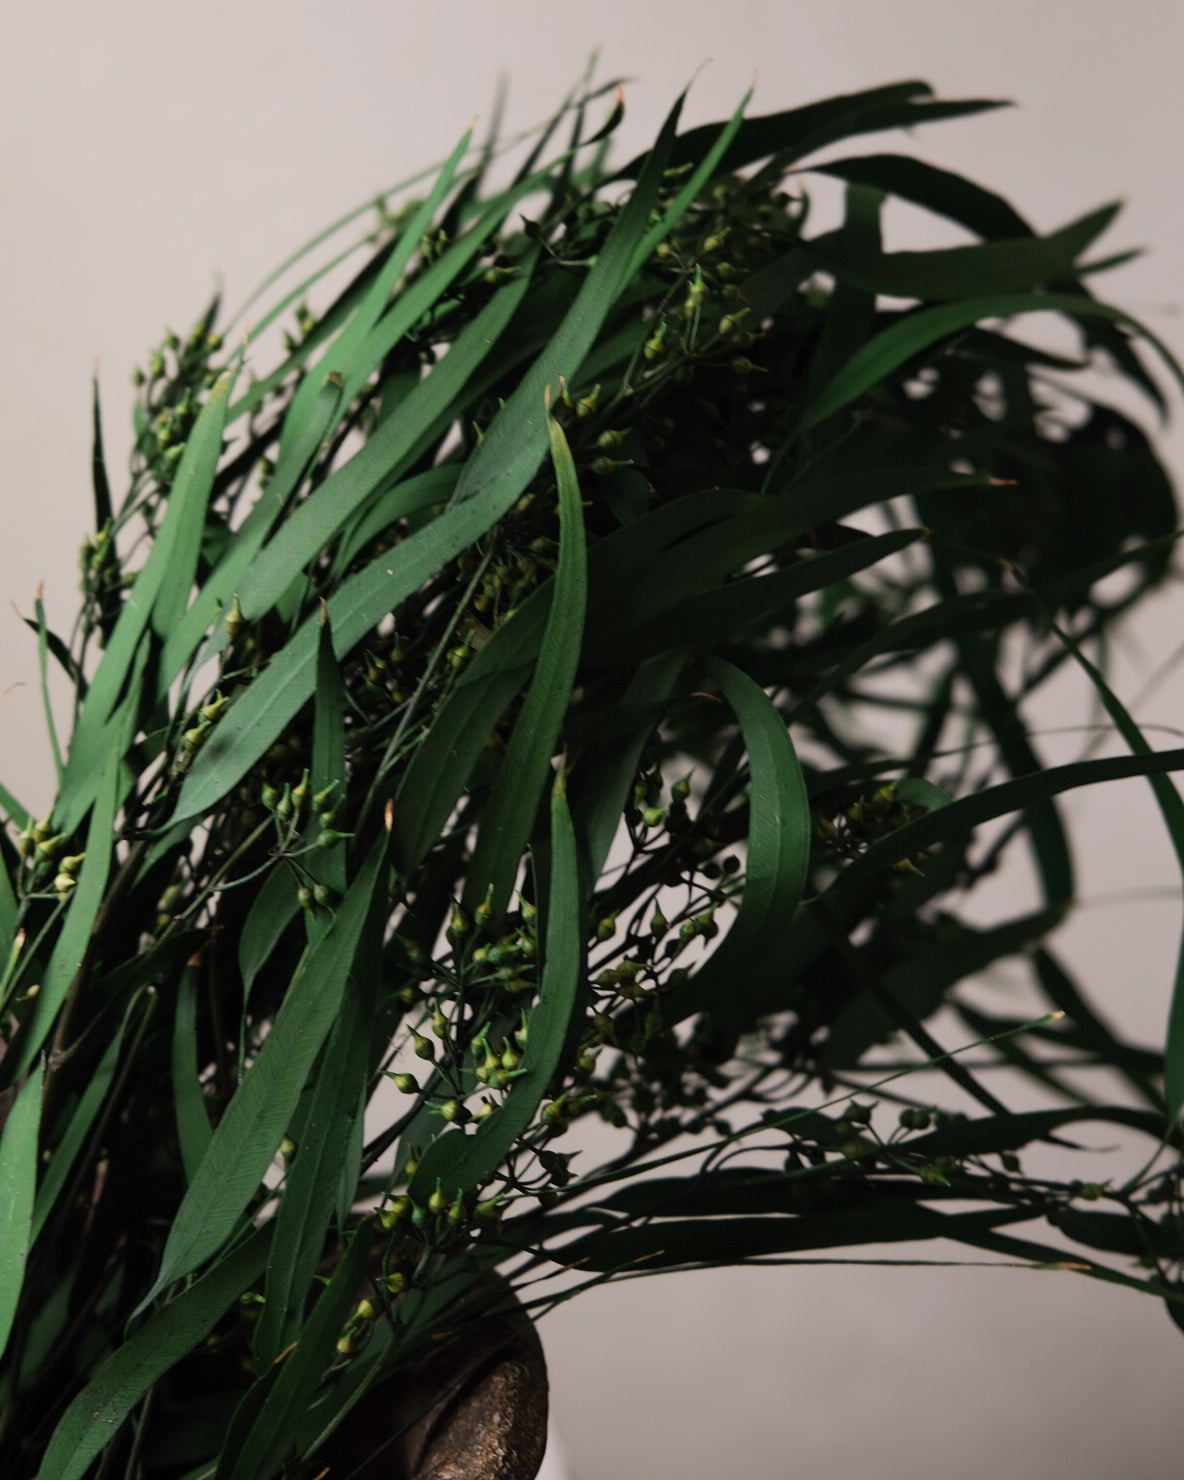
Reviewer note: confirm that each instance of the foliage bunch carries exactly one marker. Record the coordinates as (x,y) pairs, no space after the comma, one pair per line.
(565,687)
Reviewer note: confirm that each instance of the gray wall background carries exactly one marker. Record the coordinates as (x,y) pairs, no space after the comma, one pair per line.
(144,147)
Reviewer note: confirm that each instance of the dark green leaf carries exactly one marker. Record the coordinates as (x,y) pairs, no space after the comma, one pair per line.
(918,332)
(193,1120)
(462,1162)
(800,131)
(93,1418)
(271,1436)
(70,949)
(1171,806)
(18,1183)
(778,849)
(669,1244)
(43,669)
(961,272)
(509,815)
(311,526)
(255,1121)
(98,466)
(310,1188)
(706,620)
(982,211)
(88,1109)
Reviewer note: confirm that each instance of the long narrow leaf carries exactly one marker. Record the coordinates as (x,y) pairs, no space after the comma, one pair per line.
(463,1162)
(778,848)
(493,478)
(18,1182)
(93,1418)
(70,949)
(270,1438)
(258,1115)
(1171,806)
(510,812)
(917,332)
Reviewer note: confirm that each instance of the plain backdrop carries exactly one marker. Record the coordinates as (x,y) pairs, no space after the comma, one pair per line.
(145,148)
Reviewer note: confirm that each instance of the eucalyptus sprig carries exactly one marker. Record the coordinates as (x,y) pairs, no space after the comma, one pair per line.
(481,728)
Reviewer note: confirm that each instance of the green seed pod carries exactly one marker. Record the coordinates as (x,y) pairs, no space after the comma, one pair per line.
(63,884)
(72,863)
(607,928)
(284,808)
(406,1084)
(329,837)
(322,802)
(396,1282)
(305,895)
(438,1201)
(489,1211)
(234,621)
(395,1212)
(269,796)
(423,1047)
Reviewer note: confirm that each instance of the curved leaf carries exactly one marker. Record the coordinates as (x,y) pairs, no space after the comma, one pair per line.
(460,1161)
(509,815)
(917,332)
(778,850)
